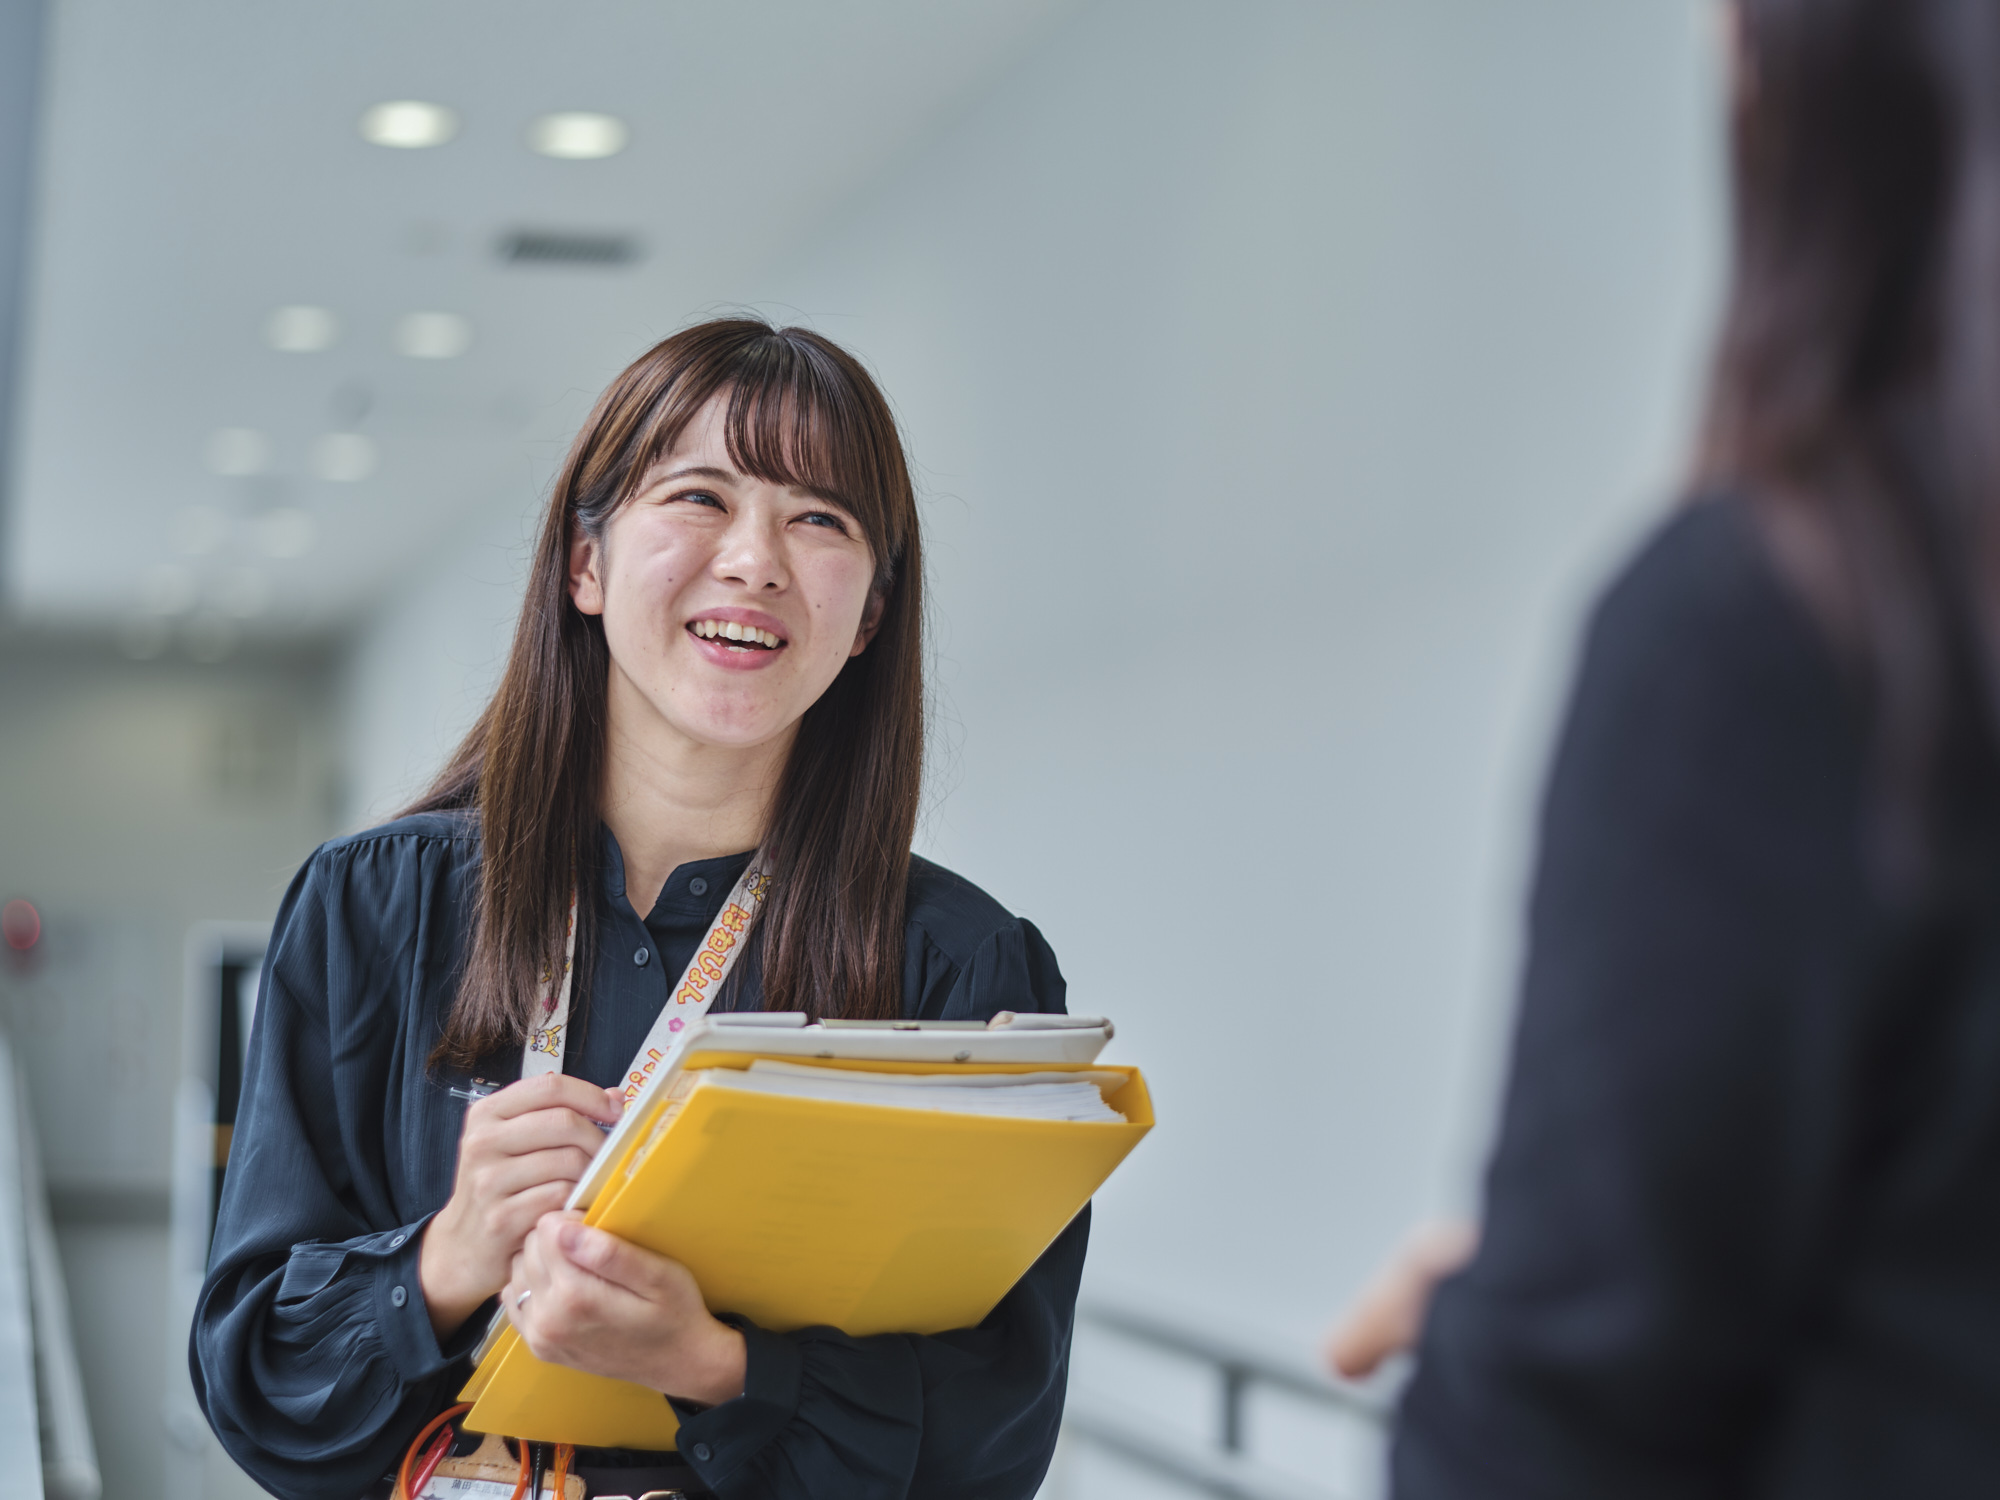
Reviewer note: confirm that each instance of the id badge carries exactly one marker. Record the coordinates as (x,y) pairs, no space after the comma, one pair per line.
(489,1472)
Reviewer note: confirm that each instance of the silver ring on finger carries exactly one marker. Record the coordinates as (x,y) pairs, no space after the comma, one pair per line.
(522,1300)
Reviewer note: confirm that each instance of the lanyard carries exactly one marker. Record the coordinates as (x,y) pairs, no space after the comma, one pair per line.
(689,1002)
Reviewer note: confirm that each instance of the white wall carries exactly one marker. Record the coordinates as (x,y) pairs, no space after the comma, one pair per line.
(1281,379)
(428,657)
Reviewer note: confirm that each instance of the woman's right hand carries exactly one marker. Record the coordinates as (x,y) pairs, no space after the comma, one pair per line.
(521,1151)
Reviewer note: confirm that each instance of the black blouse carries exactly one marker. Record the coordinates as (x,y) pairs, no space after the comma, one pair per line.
(312,1350)
(1742,1231)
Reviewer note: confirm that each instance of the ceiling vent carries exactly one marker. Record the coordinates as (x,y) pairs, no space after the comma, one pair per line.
(562,247)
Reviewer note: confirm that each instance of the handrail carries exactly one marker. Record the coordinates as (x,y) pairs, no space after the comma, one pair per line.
(20,1434)
(69,1455)
(1225,1468)
(1246,1365)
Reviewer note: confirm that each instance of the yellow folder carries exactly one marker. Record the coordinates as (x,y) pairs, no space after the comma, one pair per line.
(796,1212)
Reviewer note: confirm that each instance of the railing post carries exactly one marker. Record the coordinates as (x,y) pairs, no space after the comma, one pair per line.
(1235,1381)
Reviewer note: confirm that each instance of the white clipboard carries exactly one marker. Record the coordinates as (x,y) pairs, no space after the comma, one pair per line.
(1007,1038)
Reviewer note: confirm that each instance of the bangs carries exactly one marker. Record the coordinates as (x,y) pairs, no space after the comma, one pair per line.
(803,414)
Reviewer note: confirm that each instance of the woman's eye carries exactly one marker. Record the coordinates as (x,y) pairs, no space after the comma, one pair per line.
(825,518)
(699,497)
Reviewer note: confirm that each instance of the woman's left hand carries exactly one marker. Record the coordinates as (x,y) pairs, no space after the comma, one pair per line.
(601,1304)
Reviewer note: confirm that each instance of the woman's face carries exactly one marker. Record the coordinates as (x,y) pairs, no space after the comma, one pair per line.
(729,603)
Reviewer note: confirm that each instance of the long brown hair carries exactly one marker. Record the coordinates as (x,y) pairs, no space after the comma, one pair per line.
(829,940)
(1856,400)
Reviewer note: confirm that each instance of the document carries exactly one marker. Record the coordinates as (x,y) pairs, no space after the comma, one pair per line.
(872,1184)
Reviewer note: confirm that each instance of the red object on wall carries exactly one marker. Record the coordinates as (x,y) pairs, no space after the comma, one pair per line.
(20,925)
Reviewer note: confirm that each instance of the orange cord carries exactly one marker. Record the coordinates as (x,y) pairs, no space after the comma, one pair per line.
(403,1473)
(521,1479)
(564,1453)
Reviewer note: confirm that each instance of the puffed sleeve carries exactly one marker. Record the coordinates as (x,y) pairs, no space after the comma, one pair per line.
(312,1351)
(971,1415)
(1667,1181)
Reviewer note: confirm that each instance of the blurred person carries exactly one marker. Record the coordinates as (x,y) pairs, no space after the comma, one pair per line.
(1742,1225)
(719,655)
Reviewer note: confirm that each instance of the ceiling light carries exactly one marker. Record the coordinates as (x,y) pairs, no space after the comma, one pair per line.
(409,124)
(301,330)
(167,589)
(577,136)
(344,457)
(433,335)
(238,452)
(200,529)
(287,532)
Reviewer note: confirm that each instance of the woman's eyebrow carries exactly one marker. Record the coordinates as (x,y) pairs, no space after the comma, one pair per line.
(698,471)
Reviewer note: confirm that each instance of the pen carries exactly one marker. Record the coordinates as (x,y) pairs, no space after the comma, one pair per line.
(431,1460)
(481,1088)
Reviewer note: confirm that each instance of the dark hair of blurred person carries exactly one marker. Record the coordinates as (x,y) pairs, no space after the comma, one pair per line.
(1856,402)
(1741,1234)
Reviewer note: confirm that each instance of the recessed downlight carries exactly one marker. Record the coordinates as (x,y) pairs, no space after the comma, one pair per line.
(408,124)
(343,457)
(433,335)
(578,136)
(237,452)
(301,329)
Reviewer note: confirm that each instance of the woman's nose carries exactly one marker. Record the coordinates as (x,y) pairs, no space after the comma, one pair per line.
(752,554)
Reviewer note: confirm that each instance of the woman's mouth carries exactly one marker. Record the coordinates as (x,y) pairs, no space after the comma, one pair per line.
(732,636)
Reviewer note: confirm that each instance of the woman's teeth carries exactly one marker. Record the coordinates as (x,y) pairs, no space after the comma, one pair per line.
(729,630)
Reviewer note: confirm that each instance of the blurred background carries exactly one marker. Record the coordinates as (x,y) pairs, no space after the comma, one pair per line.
(1281,381)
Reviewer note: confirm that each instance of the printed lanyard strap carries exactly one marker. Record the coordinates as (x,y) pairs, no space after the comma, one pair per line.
(689,1002)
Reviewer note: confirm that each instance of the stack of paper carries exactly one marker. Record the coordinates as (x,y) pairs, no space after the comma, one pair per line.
(1013,1096)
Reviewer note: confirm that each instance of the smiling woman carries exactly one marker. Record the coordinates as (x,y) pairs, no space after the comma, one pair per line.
(715,691)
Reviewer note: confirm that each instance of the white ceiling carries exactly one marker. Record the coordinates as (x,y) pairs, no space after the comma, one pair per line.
(201,165)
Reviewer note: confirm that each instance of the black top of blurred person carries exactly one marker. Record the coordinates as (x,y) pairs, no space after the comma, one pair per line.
(312,1351)
(1743,1222)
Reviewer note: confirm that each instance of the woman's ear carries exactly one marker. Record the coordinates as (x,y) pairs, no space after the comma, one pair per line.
(586,580)
(871,621)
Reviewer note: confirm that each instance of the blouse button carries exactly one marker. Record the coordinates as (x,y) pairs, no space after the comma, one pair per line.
(397,1241)
(698,886)
(701,1453)
(640,958)
(397,1296)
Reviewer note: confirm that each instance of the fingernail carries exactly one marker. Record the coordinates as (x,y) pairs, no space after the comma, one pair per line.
(574,1242)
